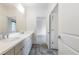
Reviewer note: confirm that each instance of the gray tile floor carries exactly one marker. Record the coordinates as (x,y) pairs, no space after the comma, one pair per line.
(40,50)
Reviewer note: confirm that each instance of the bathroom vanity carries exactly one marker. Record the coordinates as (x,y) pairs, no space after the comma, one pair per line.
(20,44)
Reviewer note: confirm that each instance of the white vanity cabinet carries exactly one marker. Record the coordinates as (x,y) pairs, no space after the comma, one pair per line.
(17,50)
(27,45)
(23,47)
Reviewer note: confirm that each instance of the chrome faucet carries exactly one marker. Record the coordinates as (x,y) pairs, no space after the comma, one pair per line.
(4,35)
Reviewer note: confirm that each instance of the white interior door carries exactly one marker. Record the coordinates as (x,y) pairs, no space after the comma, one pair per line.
(53,29)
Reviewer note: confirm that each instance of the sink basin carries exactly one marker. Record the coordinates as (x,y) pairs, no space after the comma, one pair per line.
(16,38)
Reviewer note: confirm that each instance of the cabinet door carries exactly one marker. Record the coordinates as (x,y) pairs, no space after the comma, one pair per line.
(18,48)
(19,53)
(27,45)
(25,49)
(10,52)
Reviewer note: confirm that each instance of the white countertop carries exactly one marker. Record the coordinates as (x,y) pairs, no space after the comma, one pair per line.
(7,44)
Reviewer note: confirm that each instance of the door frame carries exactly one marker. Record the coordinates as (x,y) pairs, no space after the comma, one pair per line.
(50,15)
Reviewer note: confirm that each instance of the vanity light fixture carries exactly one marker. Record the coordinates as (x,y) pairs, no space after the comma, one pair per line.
(20,8)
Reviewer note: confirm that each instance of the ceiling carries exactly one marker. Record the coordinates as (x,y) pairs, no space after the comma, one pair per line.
(36,5)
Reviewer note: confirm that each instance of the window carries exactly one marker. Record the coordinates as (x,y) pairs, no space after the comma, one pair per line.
(13,27)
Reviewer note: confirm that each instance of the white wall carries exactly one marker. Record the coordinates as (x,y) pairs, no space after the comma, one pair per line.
(68,27)
(30,18)
(3,19)
(70,16)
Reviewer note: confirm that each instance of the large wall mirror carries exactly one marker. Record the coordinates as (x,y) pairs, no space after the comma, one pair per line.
(11,24)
